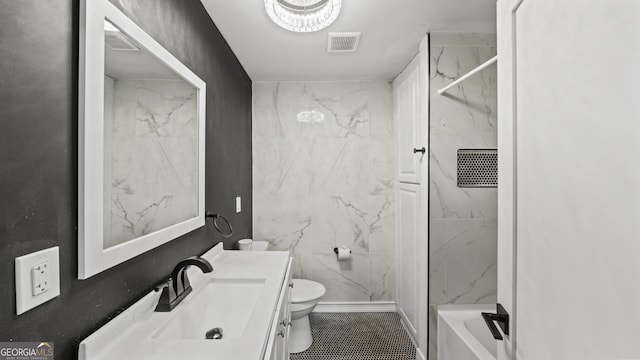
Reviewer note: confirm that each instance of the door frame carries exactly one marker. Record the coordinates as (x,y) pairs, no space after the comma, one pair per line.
(507,170)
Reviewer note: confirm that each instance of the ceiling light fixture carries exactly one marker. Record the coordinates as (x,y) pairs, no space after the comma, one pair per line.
(310,116)
(303,15)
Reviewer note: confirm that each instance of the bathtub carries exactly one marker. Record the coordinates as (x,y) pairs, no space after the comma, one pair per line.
(462,333)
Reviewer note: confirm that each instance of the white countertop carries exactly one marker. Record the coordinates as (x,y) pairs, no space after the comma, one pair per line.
(130,334)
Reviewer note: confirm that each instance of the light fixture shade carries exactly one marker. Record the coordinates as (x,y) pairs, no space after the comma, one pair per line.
(310,116)
(303,15)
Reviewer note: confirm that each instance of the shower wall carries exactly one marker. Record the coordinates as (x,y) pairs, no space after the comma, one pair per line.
(322,177)
(463,221)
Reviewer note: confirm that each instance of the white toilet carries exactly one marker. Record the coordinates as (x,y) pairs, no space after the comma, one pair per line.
(304,297)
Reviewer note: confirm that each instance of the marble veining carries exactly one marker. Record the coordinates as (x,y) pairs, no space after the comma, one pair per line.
(153,135)
(462,224)
(329,183)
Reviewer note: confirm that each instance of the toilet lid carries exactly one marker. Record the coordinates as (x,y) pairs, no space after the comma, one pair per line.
(306,290)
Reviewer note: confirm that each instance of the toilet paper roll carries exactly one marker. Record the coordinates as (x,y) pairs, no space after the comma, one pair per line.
(344,253)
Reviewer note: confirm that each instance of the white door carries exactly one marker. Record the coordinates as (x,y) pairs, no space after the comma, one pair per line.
(408,120)
(569,192)
(408,254)
(410,92)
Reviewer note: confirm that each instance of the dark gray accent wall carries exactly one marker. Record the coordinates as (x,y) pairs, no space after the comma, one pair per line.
(39,155)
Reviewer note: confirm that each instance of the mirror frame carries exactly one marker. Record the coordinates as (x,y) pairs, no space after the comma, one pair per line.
(92,256)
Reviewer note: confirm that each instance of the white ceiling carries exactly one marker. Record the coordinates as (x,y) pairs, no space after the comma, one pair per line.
(391,33)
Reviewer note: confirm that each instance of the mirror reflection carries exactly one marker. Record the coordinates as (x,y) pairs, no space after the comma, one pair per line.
(151,142)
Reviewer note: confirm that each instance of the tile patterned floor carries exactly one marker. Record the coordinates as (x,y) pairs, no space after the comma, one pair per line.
(357,336)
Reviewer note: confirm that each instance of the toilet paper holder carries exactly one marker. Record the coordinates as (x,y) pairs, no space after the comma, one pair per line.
(335,250)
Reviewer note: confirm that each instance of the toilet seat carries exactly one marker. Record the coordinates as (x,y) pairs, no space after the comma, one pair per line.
(306,290)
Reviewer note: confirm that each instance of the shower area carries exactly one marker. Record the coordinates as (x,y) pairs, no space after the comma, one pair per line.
(462,174)
(445,130)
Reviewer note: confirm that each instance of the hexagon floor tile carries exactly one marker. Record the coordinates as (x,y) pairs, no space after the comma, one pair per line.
(357,336)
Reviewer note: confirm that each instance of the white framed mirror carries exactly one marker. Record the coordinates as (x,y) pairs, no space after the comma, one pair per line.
(141,141)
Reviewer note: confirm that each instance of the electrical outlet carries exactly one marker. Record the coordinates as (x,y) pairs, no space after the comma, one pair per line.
(40,278)
(238,204)
(37,278)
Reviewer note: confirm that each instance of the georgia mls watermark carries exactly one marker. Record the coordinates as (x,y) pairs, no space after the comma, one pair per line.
(26,350)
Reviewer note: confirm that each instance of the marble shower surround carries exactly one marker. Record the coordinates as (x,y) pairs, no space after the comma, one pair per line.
(463,221)
(326,184)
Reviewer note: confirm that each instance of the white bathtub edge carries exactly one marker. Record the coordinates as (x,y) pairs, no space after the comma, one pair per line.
(454,317)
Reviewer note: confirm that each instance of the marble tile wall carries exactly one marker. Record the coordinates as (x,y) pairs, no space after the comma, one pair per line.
(318,185)
(463,221)
(153,136)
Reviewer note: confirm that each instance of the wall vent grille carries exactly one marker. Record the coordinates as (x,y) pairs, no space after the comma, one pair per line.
(343,41)
(477,168)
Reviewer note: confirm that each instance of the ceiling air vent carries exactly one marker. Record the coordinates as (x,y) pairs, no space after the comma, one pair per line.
(343,41)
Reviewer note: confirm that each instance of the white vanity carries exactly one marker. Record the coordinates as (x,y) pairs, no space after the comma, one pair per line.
(247,296)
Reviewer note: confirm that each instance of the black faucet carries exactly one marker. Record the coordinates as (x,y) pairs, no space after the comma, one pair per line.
(178,286)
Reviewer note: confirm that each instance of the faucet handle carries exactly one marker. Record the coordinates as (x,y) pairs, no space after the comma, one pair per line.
(167,297)
(163,284)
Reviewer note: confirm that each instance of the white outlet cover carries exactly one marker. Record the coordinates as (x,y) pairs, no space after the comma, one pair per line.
(40,278)
(238,204)
(25,300)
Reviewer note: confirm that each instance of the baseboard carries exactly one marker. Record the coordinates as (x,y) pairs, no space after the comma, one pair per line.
(405,324)
(333,306)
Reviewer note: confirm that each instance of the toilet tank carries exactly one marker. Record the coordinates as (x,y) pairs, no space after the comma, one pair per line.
(260,245)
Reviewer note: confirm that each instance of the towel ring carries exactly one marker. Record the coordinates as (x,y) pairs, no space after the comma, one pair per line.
(215,224)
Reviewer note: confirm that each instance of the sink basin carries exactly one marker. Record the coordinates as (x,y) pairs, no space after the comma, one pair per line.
(216,303)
